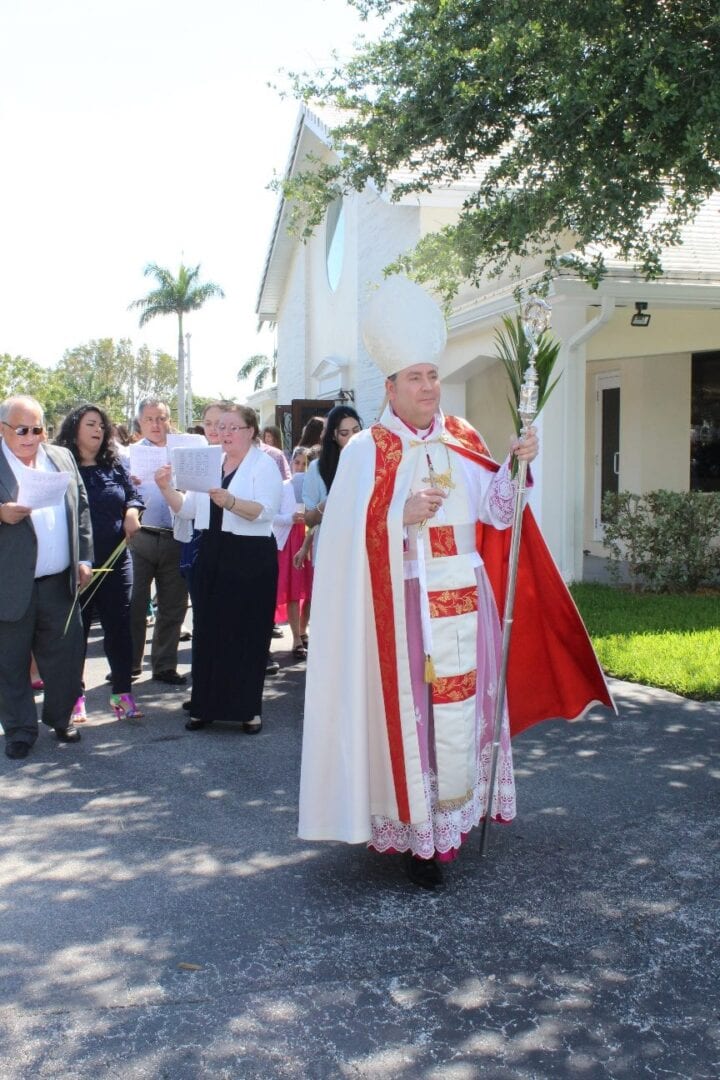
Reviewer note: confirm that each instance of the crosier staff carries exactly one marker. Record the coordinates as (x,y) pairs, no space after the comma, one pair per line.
(530,399)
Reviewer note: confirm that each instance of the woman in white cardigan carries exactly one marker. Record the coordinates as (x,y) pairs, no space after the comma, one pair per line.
(235,576)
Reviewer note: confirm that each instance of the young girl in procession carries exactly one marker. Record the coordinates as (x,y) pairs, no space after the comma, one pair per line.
(294,581)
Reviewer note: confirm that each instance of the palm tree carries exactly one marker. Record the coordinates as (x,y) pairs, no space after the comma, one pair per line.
(176,296)
(262,367)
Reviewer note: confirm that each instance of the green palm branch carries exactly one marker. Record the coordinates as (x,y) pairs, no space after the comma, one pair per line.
(513,350)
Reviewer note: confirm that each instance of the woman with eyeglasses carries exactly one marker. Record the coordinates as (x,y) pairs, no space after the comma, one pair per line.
(115,507)
(235,576)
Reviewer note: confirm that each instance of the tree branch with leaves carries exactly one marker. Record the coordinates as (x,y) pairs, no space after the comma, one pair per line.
(578,126)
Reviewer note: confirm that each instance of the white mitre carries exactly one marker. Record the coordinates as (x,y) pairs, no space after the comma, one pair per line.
(403,325)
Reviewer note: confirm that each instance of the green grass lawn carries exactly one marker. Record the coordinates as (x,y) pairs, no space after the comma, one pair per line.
(658,639)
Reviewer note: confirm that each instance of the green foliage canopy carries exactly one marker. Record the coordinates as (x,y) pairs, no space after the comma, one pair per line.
(577,123)
(102,372)
(18,375)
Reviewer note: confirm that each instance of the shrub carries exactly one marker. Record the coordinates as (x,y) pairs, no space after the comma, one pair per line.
(669,538)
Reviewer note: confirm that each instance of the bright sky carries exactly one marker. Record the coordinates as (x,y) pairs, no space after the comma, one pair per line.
(144,131)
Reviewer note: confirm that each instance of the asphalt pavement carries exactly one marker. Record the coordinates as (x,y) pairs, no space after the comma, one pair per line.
(160,919)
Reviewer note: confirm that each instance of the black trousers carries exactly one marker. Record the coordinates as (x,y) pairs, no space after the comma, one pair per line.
(111,604)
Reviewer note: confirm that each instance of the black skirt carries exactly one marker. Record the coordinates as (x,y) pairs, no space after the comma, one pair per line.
(234,590)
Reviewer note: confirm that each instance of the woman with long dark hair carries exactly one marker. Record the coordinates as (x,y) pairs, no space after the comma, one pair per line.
(115,507)
(341,424)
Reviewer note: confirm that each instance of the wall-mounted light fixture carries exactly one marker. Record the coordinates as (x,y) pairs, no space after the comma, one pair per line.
(349,395)
(641,317)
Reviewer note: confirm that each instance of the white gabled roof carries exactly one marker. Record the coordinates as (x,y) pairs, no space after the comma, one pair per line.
(311,134)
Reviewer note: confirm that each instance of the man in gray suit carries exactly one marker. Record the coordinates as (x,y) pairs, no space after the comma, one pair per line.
(45,555)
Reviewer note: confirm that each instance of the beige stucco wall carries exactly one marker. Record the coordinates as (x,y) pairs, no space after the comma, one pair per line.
(487,408)
(654,427)
(671,331)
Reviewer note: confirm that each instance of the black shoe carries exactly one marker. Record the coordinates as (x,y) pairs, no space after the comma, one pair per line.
(17,750)
(185,635)
(254,726)
(272,667)
(423,872)
(68,734)
(195,725)
(173,678)
(186,706)
(277,631)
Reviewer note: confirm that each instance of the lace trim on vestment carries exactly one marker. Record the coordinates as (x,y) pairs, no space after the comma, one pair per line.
(444,828)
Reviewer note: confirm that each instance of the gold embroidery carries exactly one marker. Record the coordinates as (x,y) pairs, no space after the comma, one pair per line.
(452,688)
(454,804)
(442,541)
(448,602)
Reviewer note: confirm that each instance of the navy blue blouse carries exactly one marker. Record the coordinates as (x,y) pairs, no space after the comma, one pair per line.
(110,493)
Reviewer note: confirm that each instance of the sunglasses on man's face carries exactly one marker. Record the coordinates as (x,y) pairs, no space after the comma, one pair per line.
(24,429)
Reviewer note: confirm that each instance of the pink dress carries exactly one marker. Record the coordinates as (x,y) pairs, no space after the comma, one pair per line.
(293,584)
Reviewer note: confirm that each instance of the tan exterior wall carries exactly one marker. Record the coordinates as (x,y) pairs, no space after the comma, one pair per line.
(673,330)
(654,427)
(487,408)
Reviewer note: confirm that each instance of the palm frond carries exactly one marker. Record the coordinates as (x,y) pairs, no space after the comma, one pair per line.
(513,351)
(257,363)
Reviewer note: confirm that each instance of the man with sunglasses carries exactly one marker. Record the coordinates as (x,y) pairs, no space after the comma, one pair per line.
(46,555)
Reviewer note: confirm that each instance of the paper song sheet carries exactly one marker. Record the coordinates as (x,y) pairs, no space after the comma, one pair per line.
(185,438)
(146,460)
(38,489)
(197,468)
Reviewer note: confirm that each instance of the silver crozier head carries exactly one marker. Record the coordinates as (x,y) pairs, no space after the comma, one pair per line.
(535,320)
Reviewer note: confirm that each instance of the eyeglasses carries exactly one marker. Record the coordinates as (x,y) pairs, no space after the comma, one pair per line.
(24,429)
(232,428)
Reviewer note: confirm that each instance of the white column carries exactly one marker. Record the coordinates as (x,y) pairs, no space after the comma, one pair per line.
(559,495)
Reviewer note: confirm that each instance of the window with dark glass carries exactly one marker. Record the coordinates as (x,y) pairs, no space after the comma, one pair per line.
(705,422)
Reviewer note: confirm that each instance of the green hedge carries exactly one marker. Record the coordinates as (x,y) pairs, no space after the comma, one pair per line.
(669,539)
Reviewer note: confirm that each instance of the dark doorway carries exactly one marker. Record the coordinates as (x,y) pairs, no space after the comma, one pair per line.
(292,418)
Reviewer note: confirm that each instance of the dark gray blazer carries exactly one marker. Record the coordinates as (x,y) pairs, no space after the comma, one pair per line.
(18,543)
